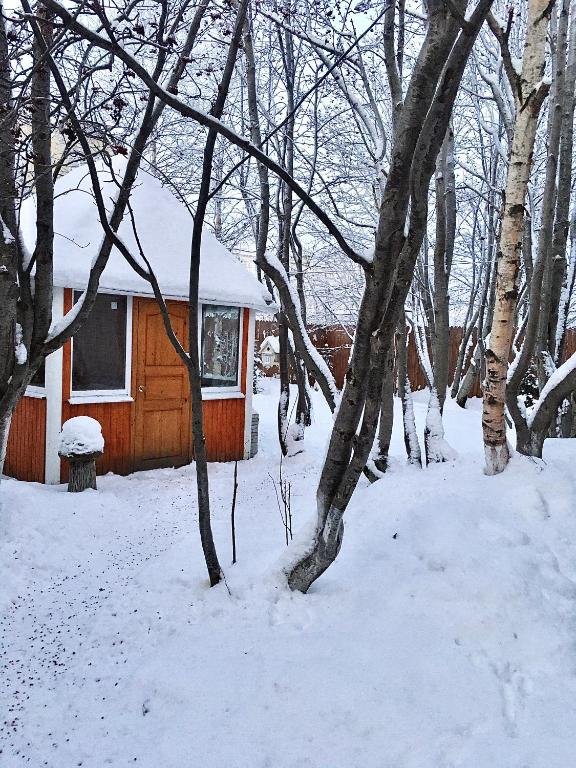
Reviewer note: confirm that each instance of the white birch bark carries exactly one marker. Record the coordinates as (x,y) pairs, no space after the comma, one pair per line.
(530,94)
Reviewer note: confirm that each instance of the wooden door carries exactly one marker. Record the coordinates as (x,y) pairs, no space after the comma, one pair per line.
(162,392)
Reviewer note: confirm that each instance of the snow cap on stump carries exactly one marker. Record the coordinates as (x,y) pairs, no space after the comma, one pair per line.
(81,435)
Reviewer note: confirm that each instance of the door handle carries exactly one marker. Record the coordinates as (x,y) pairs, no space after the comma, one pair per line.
(140,388)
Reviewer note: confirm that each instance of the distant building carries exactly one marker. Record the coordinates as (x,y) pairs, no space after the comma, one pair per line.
(269,352)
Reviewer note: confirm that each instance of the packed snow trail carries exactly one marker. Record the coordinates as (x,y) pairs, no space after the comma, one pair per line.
(442,637)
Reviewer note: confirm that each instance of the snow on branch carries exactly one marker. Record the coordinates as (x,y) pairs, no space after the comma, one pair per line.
(556,382)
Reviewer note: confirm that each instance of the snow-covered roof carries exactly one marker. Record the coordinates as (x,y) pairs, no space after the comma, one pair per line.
(164,229)
(273,342)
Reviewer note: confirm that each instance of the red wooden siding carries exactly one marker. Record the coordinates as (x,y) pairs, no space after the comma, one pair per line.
(25,456)
(223,419)
(25,459)
(224,429)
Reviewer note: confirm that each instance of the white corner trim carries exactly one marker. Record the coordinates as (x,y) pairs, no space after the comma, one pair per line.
(249,383)
(53,393)
(129,313)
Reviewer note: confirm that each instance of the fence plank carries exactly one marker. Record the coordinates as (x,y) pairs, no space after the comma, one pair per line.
(334,344)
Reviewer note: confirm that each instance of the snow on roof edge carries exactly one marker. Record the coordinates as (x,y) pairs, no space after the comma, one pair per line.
(164,230)
(270,307)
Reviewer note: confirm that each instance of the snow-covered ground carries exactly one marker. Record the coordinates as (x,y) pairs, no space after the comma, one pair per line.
(443,637)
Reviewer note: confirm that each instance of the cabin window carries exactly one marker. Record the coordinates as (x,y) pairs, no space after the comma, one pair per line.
(220,346)
(99,363)
(37,385)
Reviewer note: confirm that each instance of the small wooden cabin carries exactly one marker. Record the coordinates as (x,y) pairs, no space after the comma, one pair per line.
(120,368)
(270,351)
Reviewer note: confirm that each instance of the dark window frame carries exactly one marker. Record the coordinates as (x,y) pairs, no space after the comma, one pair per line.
(112,392)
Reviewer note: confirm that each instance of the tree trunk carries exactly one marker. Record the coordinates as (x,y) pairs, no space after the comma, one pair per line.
(385,423)
(443,251)
(436,448)
(531,95)
(540,304)
(4,435)
(284,398)
(194,367)
(303,403)
(422,125)
(529,443)
(469,378)
(386,417)
(82,472)
(411,442)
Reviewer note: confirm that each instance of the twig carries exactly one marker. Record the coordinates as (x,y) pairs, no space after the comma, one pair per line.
(233,515)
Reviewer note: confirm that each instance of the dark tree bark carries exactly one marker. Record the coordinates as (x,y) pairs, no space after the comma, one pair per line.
(421,128)
(8,246)
(194,368)
(285,231)
(411,442)
(443,254)
(82,471)
(274,270)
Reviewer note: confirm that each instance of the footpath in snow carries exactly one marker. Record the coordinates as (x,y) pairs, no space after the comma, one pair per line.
(443,637)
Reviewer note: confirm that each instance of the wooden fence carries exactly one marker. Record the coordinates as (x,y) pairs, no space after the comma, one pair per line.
(334,344)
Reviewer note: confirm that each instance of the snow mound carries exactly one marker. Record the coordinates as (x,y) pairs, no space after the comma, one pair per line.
(442,637)
(81,434)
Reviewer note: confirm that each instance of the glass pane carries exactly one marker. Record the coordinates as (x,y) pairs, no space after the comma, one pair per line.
(38,378)
(99,347)
(220,344)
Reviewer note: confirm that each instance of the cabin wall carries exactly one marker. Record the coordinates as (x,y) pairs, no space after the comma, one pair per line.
(26,450)
(223,418)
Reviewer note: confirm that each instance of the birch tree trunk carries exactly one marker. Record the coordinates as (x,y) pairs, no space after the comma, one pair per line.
(530,95)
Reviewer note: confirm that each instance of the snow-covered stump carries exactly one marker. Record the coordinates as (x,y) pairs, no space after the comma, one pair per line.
(81,443)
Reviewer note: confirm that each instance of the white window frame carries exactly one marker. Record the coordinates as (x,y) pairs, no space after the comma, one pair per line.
(33,390)
(122,395)
(223,393)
